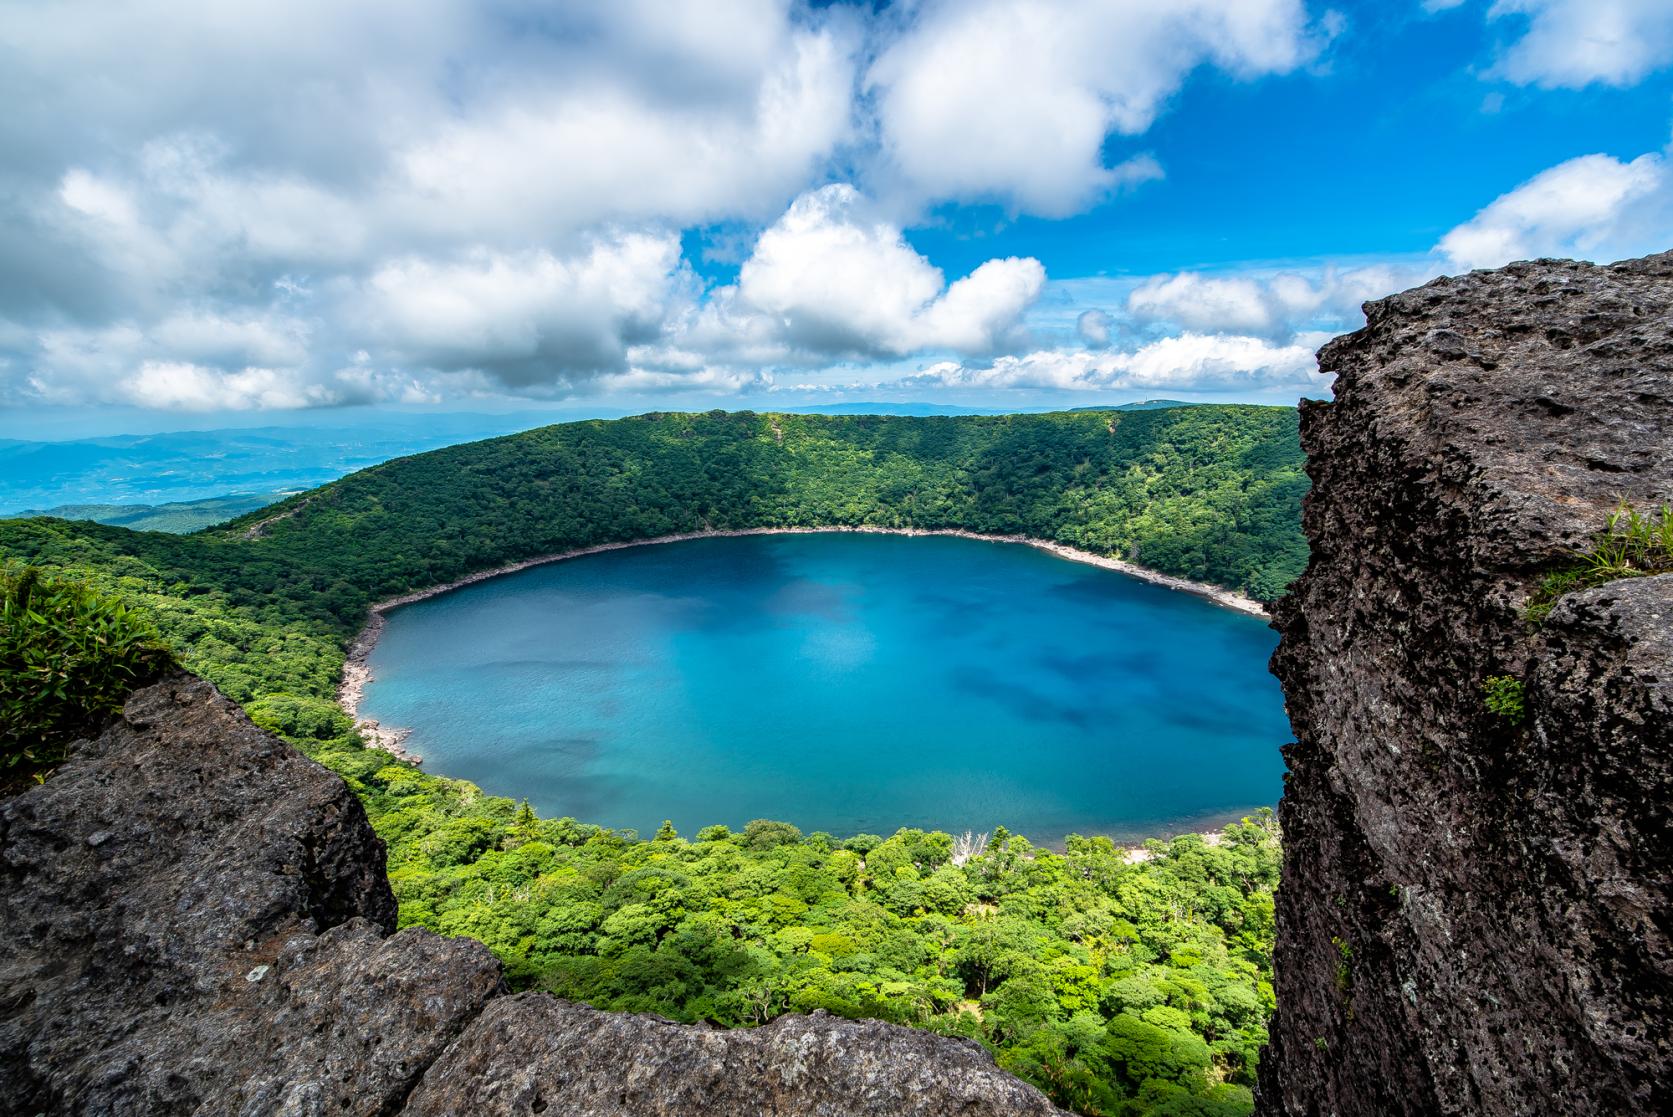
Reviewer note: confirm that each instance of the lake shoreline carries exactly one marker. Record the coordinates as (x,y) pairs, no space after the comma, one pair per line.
(357,672)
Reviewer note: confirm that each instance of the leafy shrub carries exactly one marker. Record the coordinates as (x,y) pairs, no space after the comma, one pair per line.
(68,657)
(764,833)
(1505,697)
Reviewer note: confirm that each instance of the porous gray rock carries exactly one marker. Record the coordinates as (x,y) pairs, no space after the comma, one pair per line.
(196,920)
(533,1053)
(1475,914)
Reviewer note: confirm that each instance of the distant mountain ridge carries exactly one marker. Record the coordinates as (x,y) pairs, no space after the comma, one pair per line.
(176,516)
(187,466)
(919,410)
(126,473)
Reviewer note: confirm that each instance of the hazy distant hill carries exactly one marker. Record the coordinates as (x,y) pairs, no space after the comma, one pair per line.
(1142,405)
(184,466)
(915,410)
(923,409)
(179,516)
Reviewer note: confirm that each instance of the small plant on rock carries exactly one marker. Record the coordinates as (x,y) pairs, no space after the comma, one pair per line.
(1631,546)
(1505,697)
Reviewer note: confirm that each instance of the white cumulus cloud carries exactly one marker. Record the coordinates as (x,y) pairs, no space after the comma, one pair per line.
(527,318)
(1094,327)
(833,277)
(1013,99)
(1188,362)
(1593,207)
(1277,305)
(182,386)
(1573,43)
(571,157)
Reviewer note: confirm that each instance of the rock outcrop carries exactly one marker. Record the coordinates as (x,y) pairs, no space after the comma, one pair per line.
(196,920)
(1475,913)
(533,1049)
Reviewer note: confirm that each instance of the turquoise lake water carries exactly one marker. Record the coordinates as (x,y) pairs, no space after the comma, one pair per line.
(841,682)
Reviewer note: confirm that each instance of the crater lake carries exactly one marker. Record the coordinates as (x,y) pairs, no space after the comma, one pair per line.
(841,682)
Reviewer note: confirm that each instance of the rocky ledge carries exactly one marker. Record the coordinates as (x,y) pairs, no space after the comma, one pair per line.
(1475,914)
(197,921)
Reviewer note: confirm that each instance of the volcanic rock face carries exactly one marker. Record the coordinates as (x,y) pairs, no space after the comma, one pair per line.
(196,920)
(530,1049)
(1475,916)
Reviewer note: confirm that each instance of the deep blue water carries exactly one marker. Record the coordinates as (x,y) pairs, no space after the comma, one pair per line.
(841,682)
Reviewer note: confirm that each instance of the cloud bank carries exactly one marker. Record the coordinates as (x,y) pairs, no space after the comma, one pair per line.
(1594,207)
(1197,362)
(270,206)
(263,206)
(1013,99)
(1253,332)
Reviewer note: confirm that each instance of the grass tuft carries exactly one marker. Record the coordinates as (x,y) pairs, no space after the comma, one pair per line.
(1633,545)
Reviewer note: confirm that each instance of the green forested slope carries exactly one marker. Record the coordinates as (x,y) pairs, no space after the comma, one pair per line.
(1120,988)
(1210,493)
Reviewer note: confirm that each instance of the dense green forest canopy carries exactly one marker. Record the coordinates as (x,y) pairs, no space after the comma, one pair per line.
(1120,986)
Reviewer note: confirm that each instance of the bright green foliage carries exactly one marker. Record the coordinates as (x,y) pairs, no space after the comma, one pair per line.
(1505,697)
(215,611)
(1130,989)
(1118,988)
(69,655)
(292,716)
(1344,963)
(1631,546)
